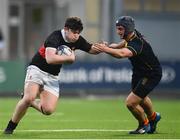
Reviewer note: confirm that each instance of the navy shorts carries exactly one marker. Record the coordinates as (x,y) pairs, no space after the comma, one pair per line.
(142,85)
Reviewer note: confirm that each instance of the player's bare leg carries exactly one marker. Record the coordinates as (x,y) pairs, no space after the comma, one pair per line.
(46,104)
(133,104)
(30,92)
(36,104)
(154,117)
(147,106)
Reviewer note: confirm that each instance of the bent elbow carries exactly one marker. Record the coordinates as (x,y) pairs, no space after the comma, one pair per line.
(124,55)
(49,61)
(119,55)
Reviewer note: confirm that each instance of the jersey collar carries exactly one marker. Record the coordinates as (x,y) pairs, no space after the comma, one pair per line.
(132,37)
(63,35)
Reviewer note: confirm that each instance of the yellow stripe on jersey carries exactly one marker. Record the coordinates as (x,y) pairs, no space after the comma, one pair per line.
(125,44)
(132,49)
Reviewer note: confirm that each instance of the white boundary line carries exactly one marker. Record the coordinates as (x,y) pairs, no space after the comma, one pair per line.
(73,130)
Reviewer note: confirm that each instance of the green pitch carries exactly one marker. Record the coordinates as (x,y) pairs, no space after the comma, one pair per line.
(89,119)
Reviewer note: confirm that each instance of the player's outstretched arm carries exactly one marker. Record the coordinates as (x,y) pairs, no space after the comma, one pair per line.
(119,45)
(118,53)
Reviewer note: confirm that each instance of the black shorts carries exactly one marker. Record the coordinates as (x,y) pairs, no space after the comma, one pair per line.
(142,85)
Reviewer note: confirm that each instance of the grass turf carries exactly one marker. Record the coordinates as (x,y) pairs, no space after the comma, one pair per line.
(89,119)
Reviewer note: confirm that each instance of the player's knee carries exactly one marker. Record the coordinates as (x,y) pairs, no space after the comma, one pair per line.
(47,110)
(129,104)
(28,100)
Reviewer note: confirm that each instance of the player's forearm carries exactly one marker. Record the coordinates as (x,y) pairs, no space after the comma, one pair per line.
(113,52)
(119,53)
(118,45)
(56,59)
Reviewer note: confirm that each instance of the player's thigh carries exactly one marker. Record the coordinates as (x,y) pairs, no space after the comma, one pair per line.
(31,90)
(33,82)
(48,100)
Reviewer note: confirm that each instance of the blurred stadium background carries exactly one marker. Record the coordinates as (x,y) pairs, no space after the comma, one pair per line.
(25,24)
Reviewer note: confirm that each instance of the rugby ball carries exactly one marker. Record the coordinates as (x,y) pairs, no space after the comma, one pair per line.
(64,50)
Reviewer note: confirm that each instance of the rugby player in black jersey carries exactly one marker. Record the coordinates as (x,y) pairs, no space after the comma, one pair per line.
(42,72)
(147,72)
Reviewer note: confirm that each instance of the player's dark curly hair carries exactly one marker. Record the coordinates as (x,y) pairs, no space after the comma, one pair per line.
(74,23)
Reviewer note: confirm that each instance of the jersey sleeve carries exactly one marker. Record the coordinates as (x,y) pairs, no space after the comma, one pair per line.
(135,47)
(52,40)
(83,44)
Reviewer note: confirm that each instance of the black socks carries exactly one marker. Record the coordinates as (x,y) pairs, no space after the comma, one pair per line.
(10,127)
